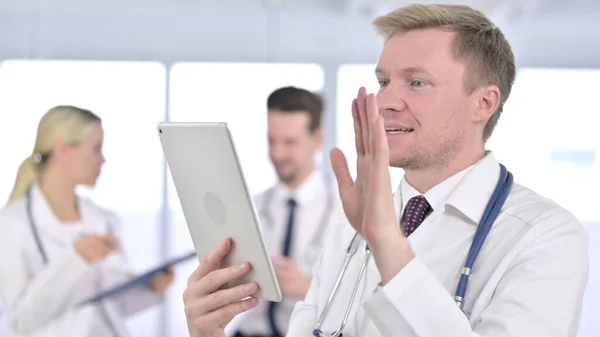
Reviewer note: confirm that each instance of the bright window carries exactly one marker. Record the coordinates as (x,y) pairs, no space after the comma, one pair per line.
(130,98)
(234,93)
(350,78)
(548,137)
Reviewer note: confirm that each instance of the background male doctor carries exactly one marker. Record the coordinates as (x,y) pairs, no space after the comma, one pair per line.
(295,212)
(445,73)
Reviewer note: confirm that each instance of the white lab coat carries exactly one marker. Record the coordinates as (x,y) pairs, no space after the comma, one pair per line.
(40,299)
(528,280)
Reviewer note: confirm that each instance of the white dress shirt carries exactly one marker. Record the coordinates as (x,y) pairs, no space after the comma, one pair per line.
(317,207)
(528,280)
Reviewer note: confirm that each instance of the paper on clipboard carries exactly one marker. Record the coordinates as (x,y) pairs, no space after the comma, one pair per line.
(140,280)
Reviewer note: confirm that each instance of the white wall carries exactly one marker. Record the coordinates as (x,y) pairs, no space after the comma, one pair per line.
(175,33)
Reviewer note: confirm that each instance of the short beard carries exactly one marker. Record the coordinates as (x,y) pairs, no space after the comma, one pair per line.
(436,159)
(289,178)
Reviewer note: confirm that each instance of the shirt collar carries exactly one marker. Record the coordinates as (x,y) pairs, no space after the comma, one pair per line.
(436,196)
(304,193)
(468,191)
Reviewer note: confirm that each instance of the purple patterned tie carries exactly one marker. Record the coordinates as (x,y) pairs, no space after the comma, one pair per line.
(415,212)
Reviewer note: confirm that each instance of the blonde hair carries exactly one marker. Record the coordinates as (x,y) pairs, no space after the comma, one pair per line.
(479,43)
(67,123)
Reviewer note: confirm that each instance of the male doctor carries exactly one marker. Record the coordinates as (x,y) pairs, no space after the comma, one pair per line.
(295,212)
(444,73)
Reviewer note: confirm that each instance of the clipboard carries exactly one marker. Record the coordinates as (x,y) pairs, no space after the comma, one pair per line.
(140,280)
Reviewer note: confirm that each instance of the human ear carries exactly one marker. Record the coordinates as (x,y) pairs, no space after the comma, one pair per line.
(60,149)
(488,101)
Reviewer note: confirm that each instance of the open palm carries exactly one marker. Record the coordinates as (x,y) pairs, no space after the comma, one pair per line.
(367,201)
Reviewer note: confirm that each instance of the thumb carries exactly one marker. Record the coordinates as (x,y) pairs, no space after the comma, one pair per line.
(341,170)
(111,241)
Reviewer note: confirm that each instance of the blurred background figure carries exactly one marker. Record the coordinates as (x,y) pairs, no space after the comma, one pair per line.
(58,249)
(134,77)
(296,212)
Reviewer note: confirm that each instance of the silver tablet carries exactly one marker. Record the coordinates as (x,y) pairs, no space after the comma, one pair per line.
(215,199)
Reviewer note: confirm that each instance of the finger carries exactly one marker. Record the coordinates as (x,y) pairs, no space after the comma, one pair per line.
(224,314)
(340,168)
(362,114)
(217,278)
(372,114)
(383,150)
(102,251)
(106,250)
(210,262)
(224,297)
(111,241)
(358,142)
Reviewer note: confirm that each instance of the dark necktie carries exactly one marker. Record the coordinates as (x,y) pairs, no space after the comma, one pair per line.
(287,245)
(415,212)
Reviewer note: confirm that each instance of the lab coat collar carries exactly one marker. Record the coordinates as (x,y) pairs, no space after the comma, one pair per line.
(43,216)
(472,194)
(45,219)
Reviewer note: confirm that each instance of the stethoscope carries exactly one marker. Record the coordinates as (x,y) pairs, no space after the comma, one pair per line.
(34,230)
(40,246)
(490,215)
(323,221)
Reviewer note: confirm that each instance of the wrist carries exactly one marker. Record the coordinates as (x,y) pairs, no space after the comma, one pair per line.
(391,253)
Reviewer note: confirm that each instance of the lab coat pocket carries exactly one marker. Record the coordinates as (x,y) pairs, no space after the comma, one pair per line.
(81,321)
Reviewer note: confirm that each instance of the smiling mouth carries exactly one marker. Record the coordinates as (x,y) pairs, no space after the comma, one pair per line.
(395,131)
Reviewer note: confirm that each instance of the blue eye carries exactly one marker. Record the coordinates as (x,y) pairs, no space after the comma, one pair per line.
(417,83)
(382,83)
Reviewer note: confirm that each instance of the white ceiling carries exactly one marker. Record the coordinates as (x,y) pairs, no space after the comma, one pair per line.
(350,7)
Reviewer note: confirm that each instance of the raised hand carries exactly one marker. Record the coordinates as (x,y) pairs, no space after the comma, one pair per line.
(93,247)
(367,201)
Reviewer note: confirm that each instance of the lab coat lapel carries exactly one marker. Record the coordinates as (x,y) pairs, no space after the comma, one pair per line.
(471,196)
(45,220)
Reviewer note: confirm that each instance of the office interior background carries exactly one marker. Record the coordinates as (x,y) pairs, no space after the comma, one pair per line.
(140,62)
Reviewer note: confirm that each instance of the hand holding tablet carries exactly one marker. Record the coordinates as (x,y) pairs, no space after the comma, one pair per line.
(208,307)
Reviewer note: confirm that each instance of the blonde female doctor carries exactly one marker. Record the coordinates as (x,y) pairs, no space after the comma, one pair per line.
(57,248)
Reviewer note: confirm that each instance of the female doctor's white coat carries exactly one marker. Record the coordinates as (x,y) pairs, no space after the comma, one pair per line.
(40,299)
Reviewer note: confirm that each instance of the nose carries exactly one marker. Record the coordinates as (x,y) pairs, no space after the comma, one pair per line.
(391,98)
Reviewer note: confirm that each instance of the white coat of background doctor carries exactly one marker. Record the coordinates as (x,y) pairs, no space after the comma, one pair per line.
(58,248)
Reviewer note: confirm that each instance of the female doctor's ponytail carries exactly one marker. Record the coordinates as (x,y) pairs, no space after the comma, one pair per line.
(66,123)
(26,176)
